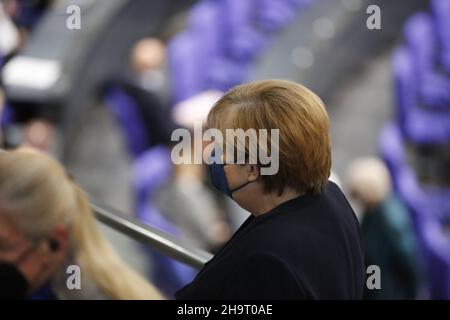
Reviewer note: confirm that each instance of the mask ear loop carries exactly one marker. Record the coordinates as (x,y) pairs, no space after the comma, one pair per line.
(25,254)
(240,187)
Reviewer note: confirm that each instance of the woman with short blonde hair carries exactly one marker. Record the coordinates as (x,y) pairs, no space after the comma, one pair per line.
(47,225)
(302,238)
(304,150)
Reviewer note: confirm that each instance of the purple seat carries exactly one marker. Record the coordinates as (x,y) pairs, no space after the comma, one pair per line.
(441,14)
(205,18)
(428,208)
(435,244)
(405,87)
(433,85)
(274,15)
(226,73)
(7,116)
(415,120)
(243,40)
(423,126)
(125,111)
(185,65)
(298,4)
(221,41)
(150,171)
(391,150)
(206,21)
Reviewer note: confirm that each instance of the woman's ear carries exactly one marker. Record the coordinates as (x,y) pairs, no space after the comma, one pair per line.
(252,172)
(59,240)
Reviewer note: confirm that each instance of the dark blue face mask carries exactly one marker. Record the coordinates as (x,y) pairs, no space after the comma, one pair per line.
(219,179)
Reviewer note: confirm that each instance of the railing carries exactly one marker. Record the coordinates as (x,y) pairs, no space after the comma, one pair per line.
(153,237)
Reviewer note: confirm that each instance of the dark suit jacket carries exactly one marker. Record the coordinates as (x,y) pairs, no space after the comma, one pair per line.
(306,248)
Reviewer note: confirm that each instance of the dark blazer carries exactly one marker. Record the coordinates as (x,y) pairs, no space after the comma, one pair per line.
(13,285)
(306,248)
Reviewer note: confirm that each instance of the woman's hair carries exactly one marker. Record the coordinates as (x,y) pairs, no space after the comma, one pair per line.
(299,114)
(37,193)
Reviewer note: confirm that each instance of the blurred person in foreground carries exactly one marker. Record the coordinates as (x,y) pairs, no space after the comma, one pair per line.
(46,225)
(302,239)
(387,231)
(2,101)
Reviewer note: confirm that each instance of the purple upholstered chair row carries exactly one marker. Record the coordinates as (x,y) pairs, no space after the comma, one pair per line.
(243,40)
(415,119)
(206,19)
(430,230)
(274,15)
(441,13)
(221,40)
(433,84)
(427,211)
(186,66)
(226,73)
(391,150)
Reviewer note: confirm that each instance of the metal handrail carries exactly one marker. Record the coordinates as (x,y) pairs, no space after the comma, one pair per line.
(155,238)
(151,236)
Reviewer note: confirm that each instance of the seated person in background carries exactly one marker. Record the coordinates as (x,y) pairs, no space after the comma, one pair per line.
(387,231)
(146,85)
(186,199)
(46,225)
(148,65)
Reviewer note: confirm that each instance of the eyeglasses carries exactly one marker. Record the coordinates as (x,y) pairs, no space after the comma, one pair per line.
(8,248)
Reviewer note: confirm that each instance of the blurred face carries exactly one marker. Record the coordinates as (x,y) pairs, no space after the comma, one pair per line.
(12,240)
(148,54)
(33,258)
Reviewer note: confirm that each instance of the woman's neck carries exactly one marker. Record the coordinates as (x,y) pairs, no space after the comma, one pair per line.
(273,200)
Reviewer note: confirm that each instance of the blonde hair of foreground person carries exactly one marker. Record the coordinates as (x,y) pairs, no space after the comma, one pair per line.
(52,198)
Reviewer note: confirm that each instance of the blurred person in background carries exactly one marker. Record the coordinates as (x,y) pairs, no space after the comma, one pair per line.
(25,14)
(145,85)
(32,126)
(46,224)
(302,239)
(9,40)
(187,200)
(388,233)
(184,200)
(17,20)
(148,64)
